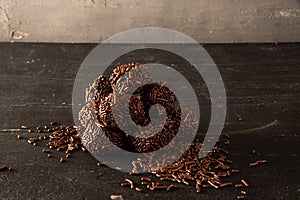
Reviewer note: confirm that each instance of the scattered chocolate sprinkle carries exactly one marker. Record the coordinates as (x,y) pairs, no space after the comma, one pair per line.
(238,185)
(252,164)
(145,179)
(243,192)
(138,189)
(130,182)
(245,183)
(61,138)
(46,151)
(61,160)
(226,184)
(116,197)
(262,161)
(125,184)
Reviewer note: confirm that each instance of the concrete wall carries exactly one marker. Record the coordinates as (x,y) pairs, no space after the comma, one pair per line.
(207,21)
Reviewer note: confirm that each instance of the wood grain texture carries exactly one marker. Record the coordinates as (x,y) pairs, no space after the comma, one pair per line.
(262,85)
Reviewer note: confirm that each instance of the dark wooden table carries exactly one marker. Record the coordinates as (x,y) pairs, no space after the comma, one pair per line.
(262,85)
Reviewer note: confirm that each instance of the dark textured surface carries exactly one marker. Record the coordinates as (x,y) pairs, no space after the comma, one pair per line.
(262,85)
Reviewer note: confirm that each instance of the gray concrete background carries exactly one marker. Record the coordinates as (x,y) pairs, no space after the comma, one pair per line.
(207,21)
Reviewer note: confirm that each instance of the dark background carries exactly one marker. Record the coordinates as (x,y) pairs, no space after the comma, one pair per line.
(262,85)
